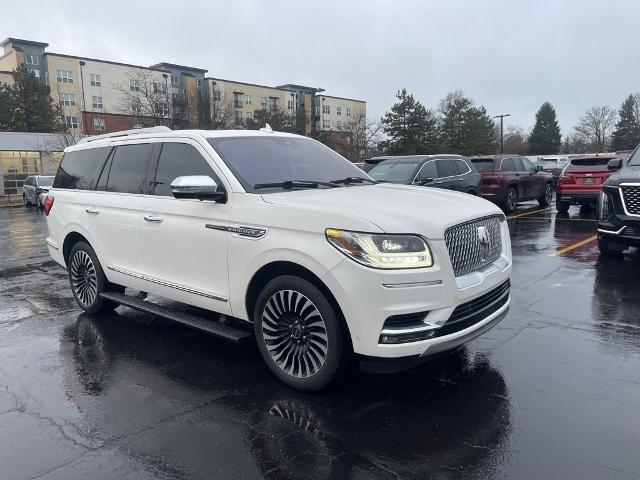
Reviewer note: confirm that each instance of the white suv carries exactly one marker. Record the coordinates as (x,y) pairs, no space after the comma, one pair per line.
(280,235)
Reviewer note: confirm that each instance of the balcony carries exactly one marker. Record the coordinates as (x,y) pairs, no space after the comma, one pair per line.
(238,103)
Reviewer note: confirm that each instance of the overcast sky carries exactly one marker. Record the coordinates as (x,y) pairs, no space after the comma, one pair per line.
(508,55)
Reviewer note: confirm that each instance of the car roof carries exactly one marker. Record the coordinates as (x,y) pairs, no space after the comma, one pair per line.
(164,132)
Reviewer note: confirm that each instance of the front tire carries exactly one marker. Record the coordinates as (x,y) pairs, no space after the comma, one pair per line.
(298,333)
(511,200)
(546,198)
(87,279)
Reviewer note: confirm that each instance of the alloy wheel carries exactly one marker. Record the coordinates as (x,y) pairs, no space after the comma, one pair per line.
(84,278)
(548,194)
(294,333)
(512,200)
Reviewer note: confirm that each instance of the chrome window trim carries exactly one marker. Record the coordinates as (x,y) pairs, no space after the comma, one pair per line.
(624,205)
(423,165)
(166,284)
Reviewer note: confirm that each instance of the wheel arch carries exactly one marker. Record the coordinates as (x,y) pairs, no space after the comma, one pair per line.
(69,241)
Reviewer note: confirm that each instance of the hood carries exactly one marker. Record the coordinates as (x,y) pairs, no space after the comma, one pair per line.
(393,208)
(628,174)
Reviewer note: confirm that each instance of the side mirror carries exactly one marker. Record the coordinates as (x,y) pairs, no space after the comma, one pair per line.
(200,187)
(614,164)
(538,168)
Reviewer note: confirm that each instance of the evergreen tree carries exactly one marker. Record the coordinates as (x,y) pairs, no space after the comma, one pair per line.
(464,128)
(411,129)
(545,137)
(627,133)
(278,120)
(29,104)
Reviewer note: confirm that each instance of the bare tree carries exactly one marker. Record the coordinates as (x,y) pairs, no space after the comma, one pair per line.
(363,136)
(216,112)
(147,99)
(595,126)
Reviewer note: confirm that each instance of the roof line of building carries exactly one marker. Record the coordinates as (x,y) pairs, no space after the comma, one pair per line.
(342,98)
(28,42)
(179,67)
(245,83)
(106,61)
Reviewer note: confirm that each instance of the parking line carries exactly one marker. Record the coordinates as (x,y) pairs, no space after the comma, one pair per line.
(529,213)
(579,244)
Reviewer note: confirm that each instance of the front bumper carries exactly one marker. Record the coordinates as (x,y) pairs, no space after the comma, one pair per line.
(619,225)
(368,299)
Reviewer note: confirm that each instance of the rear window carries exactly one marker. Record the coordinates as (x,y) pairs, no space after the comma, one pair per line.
(78,168)
(483,165)
(588,163)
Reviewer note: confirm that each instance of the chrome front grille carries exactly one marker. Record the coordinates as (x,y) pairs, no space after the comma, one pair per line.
(469,249)
(631,197)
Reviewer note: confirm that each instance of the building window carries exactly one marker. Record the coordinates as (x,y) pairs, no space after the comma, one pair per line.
(237,100)
(317,111)
(96,102)
(326,109)
(264,102)
(175,80)
(158,87)
(326,125)
(96,80)
(162,109)
(291,105)
(248,115)
(72,122)
(273,105)
(64,76)
(31,60)
(199,82)
(98,124)
(217,96)
(134,85)
(136,106)
(348,111)
(16,166)
(238,118)
(247,99)
(67,99)
(339,125)
(35,72)
(338,110)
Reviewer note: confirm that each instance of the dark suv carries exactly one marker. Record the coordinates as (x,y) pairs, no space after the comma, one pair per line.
(453,172)
(509,179)
(619,207)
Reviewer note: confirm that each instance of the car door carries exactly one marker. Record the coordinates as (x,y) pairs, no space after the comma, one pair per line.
(510,171)
(536,183)
(185,241)
(113,210)
(466,179)
(447,174)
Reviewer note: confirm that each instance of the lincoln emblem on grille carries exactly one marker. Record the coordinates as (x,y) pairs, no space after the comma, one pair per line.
(483,238)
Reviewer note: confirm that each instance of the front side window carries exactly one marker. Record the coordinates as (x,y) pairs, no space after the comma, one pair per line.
(255,160)
(178,160)
(96,80)
(635,159)
(129,168)
(395,172)
(462,166)
(528,166)
(96,102)
(519,165)
(446,168)
(67,99)
(78,169)
(507,165)
(428,171)
(64,76)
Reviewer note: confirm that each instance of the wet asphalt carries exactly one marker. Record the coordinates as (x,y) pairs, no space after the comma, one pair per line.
(551,392)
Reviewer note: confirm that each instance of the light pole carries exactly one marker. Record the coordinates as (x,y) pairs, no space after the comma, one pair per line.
(501,117)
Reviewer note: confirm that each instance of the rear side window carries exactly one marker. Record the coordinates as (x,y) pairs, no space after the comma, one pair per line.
(128,170)
(446,168)
(507,165)
(483,165)
(463,168)
(178,160)
(78,168)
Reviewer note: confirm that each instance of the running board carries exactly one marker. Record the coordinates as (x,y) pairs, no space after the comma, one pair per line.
(233,334)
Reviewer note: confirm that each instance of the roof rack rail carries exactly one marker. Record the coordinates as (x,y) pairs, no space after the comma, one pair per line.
(124,133)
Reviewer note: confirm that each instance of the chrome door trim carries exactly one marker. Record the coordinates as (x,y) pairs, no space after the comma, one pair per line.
(240,230)
(167,284)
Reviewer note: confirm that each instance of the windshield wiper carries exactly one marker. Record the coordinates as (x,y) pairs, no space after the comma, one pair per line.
(289,184)
(349,180)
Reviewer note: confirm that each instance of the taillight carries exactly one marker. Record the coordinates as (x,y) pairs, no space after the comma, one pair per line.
(47,204)
(565,180)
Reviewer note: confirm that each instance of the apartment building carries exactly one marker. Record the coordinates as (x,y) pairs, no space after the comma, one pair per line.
(337,114)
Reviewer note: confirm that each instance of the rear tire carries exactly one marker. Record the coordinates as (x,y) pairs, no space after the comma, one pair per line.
(298,333)
(546,198)
(562,207)
(511,200)
(87,279)
(608,248)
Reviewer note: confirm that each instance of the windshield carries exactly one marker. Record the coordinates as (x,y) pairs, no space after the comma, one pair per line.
(260,160)
(635,159)
(394,171)
(483,165)
(45,181)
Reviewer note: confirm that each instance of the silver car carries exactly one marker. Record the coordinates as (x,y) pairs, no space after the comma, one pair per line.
(35,188)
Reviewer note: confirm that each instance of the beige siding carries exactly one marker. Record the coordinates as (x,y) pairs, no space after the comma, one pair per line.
(341,112)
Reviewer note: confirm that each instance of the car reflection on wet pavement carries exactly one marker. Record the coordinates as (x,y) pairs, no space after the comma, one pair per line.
(551,392)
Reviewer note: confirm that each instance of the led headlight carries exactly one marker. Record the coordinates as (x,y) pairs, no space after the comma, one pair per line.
(382,250)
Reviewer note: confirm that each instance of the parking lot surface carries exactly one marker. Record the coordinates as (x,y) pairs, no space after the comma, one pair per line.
(551,392)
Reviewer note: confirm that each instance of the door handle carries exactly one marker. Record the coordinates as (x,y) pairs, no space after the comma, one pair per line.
(95,211)
(153,218)
(461,179)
